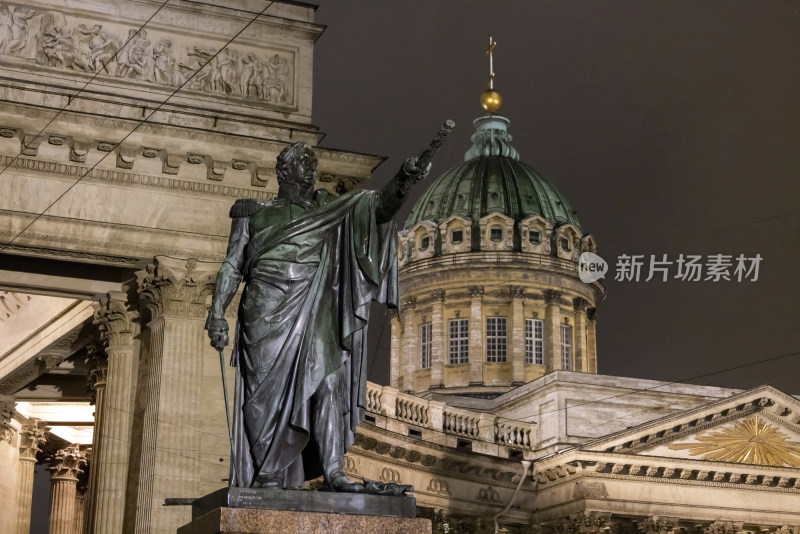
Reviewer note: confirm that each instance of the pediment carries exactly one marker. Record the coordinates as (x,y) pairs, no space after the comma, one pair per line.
(759,427)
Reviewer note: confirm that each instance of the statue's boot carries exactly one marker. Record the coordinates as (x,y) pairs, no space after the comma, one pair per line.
(268,481)
(329,433)
(338,481)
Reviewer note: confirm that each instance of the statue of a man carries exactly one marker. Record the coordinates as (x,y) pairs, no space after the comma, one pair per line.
(312,263)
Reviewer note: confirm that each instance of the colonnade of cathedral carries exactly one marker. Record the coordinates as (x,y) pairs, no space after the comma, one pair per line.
(148,358)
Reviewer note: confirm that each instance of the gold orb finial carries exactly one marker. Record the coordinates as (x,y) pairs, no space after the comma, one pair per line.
(491,99)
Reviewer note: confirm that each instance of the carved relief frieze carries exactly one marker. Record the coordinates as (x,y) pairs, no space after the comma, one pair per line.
(115,51)
(437,485)
(390,475)
(489,494)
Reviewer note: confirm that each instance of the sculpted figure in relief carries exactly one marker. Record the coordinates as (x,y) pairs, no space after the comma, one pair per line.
(14,28)
(163,62)
(275,86)
(250,64)
(226,72)
(134,62)
(55,46)
(203,81)
(102,47)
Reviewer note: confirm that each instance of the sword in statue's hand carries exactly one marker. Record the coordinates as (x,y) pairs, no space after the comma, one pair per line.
(225,394)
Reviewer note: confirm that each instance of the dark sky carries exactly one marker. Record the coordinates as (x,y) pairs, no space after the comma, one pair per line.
(672,126)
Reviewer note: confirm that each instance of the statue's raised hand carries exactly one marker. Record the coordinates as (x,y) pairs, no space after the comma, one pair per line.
(217,331)
(411,173)
(416,169)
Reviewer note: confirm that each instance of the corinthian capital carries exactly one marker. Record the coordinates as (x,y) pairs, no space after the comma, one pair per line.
(580,304)
(551,296)
(171,286)
(114,319)
(67,463)
(7,410)
(98,366)
(31,438)
(476,292)
(656,524)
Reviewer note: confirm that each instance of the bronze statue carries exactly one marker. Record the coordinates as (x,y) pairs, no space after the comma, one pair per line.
(312,263)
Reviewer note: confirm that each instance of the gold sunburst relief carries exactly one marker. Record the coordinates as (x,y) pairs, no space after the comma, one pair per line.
(752,441)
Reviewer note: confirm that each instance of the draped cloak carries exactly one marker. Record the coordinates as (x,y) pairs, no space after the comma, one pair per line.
(303,316)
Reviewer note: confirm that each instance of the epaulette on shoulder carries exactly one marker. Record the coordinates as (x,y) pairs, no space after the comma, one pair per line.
(245,207)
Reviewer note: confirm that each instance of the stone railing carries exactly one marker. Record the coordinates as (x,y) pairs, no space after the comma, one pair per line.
(515,434)
(476,426)
(462,423)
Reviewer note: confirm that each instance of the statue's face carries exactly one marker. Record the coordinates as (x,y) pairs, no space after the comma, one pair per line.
(306,168)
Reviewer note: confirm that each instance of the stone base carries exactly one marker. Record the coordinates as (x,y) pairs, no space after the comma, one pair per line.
(254,521)
(305,501)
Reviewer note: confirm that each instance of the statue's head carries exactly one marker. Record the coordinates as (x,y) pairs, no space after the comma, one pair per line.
(297,166)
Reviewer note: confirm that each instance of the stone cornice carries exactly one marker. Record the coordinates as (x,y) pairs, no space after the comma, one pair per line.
(68,254)
(667,470)
(132,179)
(461,469)
(26,113)
(766,400)
(137,248)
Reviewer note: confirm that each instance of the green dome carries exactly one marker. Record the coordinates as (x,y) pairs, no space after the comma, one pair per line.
(492,180)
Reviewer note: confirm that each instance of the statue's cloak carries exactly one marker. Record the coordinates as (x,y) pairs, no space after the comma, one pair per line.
(303,315)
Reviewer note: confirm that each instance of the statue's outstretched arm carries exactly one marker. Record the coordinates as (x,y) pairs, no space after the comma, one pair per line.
(393,194)
(228,279)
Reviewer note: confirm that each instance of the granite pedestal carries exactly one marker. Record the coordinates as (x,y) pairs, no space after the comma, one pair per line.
(262,511)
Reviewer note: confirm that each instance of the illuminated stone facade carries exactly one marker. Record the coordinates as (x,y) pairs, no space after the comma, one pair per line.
(105,372)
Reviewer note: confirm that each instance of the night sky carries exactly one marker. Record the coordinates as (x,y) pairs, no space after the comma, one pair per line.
(672,126)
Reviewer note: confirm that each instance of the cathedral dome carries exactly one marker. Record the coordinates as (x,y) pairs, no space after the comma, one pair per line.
(492,179)
(489,277)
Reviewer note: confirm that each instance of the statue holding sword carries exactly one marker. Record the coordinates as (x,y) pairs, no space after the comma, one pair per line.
(312,263)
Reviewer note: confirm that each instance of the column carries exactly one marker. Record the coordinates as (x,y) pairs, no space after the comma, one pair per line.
(438,339)
(395,351)
(517,336)
(410,337)
(165,459)
(65,466)
(552,330)
(80,502)
(8,464)
(591,339)
(111,448)
(98,370)
(476,354)
(580,354)
(31,438)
